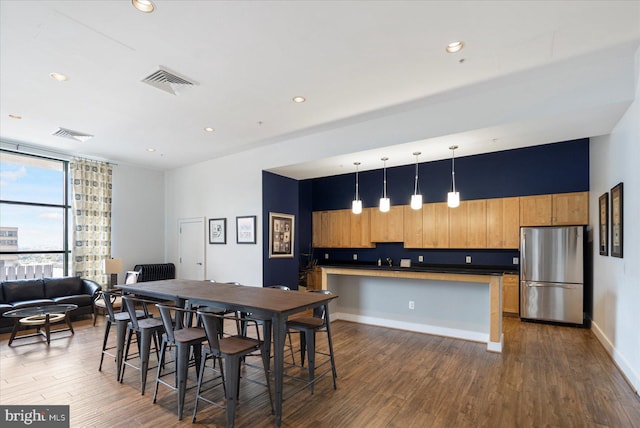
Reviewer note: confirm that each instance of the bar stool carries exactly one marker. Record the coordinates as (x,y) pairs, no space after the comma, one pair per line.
(184,339)
(308,326)
(145,329)
(231,349)
(121,319)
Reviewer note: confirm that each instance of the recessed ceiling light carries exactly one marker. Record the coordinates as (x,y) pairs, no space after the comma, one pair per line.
(145,6)
(151,150)
(299,99)
(15,116)
(209,129)
(454,47)
(58,76)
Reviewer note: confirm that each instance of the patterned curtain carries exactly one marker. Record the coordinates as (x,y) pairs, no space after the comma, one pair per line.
(91,203)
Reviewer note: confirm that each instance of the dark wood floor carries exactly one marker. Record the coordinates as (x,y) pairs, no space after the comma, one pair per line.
(547,376)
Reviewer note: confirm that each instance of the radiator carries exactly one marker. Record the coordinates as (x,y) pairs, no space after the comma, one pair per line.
(155,271)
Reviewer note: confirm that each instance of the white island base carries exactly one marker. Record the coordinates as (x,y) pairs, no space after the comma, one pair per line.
(466,306)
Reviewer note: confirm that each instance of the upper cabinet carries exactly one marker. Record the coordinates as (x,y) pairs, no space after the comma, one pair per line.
(435,225)
(570,208)
(387,227)
(361,229)
(341,229)
(412,227)
(503,222)
(468,225)
(556,209)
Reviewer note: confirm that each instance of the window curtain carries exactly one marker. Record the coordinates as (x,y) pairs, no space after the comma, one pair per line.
(91,207)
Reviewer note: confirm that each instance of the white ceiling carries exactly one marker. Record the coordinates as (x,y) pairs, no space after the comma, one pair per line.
(353,61)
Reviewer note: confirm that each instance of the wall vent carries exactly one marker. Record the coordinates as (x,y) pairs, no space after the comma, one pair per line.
(168,81)
(71,134)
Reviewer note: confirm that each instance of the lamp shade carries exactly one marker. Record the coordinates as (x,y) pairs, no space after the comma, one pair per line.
(385,205)
(453,199)
(112,266)
(416,202)
(356,206)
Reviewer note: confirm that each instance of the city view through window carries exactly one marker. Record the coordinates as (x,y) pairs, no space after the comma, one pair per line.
(33,209)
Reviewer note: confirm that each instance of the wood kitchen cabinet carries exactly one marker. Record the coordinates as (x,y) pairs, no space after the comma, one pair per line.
(556,209)
(503,223)
(340,229)
(361,229)
(570,208)
(387,227)
(319,234)
(435,225)
(510,294)
(412,227)
(468,225)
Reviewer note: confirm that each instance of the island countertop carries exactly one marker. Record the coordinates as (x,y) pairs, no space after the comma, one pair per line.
(430,268)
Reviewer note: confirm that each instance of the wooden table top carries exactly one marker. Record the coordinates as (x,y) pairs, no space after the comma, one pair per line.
(233,296)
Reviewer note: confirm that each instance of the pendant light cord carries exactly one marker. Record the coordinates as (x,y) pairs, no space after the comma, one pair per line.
(453,169)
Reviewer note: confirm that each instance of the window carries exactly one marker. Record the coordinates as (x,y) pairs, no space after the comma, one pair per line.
(34,216)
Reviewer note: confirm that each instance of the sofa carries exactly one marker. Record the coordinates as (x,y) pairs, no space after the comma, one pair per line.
(24,293)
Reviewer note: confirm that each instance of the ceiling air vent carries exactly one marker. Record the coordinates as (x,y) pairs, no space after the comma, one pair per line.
(73,135)
(168,81)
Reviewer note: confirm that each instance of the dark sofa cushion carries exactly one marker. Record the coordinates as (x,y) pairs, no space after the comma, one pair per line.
(77,299)
(59,287)
(32,303)
(21,290)
(5,308)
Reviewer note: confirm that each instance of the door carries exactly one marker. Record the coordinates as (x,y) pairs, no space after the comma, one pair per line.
(191,236)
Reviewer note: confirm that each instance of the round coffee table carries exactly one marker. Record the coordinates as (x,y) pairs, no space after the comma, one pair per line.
(40,316)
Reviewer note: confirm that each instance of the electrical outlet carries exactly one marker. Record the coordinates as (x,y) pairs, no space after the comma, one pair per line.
(515,261)
(420,259)
(326,256)
(412,305)
(467,259)
(355,257)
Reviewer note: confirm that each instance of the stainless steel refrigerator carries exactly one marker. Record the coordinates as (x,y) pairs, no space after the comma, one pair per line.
(552,273)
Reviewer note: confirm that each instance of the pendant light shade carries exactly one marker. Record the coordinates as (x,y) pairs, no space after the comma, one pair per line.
(385,203)
(453,197)
(416,198)
(356,204)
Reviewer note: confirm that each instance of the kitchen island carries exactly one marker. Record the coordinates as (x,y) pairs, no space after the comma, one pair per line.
(460,303)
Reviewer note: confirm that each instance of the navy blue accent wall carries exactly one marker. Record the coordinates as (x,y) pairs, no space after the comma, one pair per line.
(280,195)
(551,168)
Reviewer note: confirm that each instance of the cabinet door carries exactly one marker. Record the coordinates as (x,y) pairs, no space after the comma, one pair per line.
(339,228)
(503,222)
(435,225)
(412,227)
(510,294)
(571,208)
(535,210)
(361,229)
(316,229)
(387,227)
(468,225)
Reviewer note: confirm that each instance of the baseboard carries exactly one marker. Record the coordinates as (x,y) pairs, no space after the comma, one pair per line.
(623,365)
(419,328)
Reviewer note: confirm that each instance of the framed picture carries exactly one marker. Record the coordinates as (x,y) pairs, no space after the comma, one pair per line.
(604,224)
(217,231)
(616,221)
(246,229)
(281,230)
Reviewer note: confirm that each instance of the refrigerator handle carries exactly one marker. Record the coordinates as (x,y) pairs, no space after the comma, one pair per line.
(523,266)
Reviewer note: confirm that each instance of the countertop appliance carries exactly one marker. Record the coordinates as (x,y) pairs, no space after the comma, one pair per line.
(552,273)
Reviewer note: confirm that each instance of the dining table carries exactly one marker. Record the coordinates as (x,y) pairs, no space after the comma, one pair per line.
(267,303)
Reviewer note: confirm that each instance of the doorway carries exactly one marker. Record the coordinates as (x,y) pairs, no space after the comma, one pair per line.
(191,237)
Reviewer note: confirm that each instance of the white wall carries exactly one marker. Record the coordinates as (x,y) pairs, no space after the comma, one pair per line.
(616,312)
(137,222)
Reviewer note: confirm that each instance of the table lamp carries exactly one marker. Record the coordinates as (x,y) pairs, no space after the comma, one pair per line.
(112,267)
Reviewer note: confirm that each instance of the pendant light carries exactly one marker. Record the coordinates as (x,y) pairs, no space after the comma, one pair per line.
(453,197)
(416,198)
(385,203)
(356,204)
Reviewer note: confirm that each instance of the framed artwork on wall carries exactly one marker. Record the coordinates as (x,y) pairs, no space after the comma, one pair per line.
(217,231)
(616,221)
(246,229)
(281,235)
(603,203)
